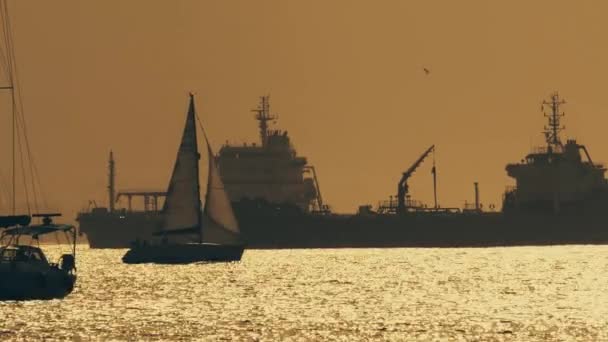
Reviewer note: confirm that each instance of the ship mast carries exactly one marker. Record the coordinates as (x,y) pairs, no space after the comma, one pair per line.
(111,182)
(552,130)
(263,116)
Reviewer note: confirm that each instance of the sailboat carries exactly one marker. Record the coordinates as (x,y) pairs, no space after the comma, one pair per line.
(190,234)
(25,271)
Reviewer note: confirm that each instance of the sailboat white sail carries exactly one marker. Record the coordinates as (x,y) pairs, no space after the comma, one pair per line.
(182,208)
(221,225)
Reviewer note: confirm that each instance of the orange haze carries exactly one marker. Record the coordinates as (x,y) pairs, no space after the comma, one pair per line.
(345,76)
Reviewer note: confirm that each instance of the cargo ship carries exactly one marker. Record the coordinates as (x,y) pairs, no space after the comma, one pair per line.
(112,227)
(560,197)
(270,171)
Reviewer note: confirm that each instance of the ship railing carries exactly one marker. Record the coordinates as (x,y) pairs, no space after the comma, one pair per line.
(390,206)
(436,210)
(324,210)
(469,206)
(386,207)
(539,150)
(545,149)
(408,203)
(599,165)
(142,192)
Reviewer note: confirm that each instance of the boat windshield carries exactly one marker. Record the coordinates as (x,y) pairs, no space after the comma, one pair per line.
(22,254)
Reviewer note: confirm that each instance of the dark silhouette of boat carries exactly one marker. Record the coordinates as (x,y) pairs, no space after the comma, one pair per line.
(560,197)
(25,271)
(189,234)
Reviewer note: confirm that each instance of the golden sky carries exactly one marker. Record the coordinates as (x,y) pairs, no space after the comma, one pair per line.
(345,76)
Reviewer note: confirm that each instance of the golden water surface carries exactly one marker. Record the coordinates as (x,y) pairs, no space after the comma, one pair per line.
(501,294)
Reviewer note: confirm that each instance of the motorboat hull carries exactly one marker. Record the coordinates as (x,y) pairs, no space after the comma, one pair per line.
(19,284)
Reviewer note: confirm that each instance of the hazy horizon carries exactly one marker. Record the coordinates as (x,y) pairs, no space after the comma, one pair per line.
(345,77)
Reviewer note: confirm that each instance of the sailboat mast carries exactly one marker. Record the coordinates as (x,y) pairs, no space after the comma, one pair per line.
(192,111)
(13,150)
(9,56)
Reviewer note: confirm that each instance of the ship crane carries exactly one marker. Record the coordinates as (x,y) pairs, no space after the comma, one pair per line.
(402,187)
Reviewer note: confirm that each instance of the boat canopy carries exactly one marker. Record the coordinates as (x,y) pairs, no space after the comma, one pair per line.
(10,221)
(37,230)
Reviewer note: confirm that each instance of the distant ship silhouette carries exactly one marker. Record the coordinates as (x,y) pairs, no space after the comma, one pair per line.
(559,198)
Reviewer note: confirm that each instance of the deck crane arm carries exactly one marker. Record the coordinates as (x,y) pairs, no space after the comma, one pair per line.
(582,147)
(402,187)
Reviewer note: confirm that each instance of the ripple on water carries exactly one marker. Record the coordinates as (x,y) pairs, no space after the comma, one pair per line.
(501,294)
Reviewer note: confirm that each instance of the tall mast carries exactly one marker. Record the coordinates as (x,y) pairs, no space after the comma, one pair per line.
(552,130)
(263,116)
(192,118)
(9,56)
(111,182)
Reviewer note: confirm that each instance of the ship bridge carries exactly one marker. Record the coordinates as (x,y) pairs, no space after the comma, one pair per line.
(270,170)
(556,176)
(150,198)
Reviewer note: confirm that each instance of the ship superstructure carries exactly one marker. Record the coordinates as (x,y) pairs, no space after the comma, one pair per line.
(555,178)
(270,170)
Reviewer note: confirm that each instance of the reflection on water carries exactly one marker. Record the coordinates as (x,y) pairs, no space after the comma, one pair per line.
(503,294)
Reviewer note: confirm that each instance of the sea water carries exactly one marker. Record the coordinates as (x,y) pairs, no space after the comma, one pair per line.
(485,294)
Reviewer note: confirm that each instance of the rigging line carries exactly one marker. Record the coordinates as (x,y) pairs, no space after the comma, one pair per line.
(26,192)
(6,35)
(40,190)
(21,113)
(33,185)
(35,179)
(21,124)
(4,58)
(8,42)
(200,124)
(4,195)
(19,94)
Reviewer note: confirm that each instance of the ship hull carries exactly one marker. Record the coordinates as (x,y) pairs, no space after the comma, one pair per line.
(117,230)
(425,231)
(183,253)
(276,230)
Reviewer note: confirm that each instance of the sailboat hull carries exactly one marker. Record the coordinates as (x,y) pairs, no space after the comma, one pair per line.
(183,253)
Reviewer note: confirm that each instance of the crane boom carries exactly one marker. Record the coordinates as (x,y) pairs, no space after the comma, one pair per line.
(402,187)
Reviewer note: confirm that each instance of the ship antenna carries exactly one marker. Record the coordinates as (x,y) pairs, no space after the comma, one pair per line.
(434,172)
(263,116)
(111,182)
(552,130)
